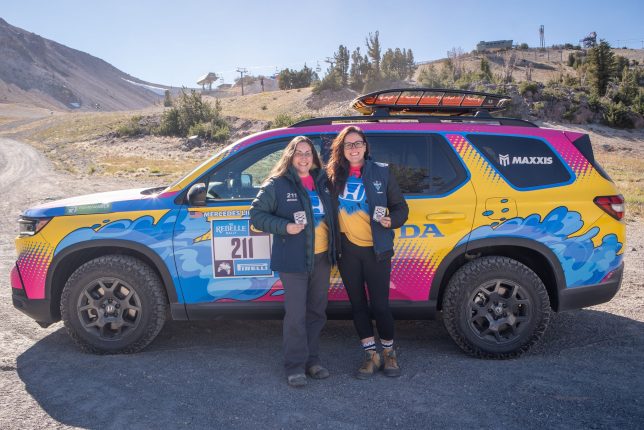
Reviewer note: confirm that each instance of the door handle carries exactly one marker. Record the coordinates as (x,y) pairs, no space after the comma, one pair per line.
(445,216)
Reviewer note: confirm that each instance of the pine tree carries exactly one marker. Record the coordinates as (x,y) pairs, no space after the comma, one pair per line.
(359,65)
(341,67)
(601,66)
(373,50)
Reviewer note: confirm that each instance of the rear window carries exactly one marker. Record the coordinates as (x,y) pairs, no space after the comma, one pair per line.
(422,163)
(524,162)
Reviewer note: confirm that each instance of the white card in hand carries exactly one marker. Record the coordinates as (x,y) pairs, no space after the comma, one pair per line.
(300,217)
(379,212)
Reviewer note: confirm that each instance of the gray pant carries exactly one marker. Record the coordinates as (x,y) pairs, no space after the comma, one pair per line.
(305,300)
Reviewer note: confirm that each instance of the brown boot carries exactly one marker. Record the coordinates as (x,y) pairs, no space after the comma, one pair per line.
(391,362)
(372,363)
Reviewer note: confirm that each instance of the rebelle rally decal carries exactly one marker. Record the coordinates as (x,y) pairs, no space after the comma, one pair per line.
(240,250)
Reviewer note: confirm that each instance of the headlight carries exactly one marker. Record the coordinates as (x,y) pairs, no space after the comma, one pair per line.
(31,226)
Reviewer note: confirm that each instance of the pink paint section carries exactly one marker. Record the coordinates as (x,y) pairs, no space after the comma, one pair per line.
(33,265)
(16,282)
(270,295)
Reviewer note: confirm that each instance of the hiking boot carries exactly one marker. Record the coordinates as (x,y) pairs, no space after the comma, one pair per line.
(317,372)
(391,367)
(371,364)
(298,380)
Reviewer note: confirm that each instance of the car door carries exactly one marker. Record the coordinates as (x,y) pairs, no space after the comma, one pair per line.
(220,257)
(441,202)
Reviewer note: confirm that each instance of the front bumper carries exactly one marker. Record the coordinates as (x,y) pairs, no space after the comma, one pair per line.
(590,295)
(38,309)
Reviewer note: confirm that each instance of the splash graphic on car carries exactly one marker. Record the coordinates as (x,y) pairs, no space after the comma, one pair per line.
(583,263)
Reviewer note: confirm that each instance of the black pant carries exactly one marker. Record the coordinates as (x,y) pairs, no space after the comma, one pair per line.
(358,265)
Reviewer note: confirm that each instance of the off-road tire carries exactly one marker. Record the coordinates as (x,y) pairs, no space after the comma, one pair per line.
(478,326)
(143,311)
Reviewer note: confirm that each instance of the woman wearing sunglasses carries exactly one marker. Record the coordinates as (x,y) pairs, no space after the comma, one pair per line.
(369,206)
(292,205)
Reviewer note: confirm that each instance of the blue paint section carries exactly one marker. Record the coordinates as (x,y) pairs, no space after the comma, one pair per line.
(583,263)
(318,208)
(354,198)
(194,264)
(143,230)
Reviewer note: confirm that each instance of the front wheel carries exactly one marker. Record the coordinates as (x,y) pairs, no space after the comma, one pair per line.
(495,307)
(113,304)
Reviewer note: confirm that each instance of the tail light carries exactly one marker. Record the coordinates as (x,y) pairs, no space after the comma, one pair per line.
(612,205)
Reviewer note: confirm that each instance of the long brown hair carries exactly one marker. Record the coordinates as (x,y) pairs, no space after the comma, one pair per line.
(286,160)
(338,168)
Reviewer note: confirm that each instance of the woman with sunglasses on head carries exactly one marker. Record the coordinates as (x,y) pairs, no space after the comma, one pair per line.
(369,206)
(292,205)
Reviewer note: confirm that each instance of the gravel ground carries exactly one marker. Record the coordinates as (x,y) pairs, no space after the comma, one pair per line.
(586,372)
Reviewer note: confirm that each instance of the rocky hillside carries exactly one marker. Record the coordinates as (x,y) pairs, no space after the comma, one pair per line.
(41,72)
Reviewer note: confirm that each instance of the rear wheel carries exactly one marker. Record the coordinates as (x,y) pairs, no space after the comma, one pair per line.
(495,307)
(113,304)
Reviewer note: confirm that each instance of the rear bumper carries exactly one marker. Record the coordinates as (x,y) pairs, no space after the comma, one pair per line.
(38,309)
(590,295)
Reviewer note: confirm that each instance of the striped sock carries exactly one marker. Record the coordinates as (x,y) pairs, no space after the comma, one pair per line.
(387,343)
(369,346)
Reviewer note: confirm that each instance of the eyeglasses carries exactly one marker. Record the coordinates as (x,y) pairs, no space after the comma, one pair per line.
(301,154)
(355,145)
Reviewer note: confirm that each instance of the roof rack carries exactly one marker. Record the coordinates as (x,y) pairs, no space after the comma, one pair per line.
(485,118)
(437,101)
(425,105)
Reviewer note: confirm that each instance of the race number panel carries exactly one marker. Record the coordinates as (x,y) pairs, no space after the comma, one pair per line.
(239,250)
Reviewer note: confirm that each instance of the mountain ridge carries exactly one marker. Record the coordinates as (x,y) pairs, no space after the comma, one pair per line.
(45,73)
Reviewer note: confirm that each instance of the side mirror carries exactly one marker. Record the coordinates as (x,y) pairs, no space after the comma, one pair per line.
(246,180)
(197,195)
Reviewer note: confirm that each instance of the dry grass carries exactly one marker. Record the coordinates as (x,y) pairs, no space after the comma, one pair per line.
(626,172)
(266,106)
(132,165)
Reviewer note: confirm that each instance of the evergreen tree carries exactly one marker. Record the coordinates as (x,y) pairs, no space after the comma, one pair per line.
(411,65)
(359,66)
(341,67)
(373,51)
(486,73)
(601,67)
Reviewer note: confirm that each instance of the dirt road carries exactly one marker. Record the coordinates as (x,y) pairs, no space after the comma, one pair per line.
(586,373)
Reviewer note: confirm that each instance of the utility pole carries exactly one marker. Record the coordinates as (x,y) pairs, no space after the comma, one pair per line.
(241,71)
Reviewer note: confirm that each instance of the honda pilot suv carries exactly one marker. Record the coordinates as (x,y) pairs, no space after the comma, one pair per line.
(508,222)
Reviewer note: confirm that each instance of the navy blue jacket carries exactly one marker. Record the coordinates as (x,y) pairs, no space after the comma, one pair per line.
(273,208)
(381,189)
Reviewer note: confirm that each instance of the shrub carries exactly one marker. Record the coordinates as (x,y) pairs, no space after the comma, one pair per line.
(193,115)
(617,115)
(213,131)
(132,128)
(526,86)
(285,120)
(331,82)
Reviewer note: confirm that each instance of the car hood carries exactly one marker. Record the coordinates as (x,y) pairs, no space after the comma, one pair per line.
(113,201)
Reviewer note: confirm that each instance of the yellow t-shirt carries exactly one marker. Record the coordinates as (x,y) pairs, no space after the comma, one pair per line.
(354,218)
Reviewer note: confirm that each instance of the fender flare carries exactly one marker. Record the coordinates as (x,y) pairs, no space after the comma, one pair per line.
(158,263)
(459,252)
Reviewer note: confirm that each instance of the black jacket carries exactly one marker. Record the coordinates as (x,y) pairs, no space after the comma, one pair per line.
(381,189)
(273,208)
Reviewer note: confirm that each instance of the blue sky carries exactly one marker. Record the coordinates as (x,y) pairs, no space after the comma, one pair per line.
(174,43)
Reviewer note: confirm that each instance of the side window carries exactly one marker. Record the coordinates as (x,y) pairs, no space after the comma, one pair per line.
(524,162)
(242,176)
(422,164)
